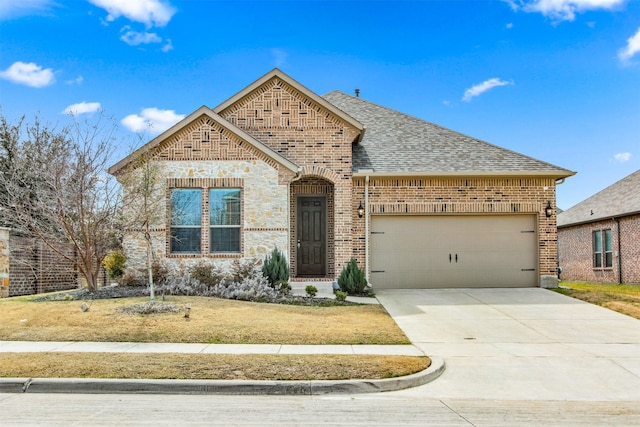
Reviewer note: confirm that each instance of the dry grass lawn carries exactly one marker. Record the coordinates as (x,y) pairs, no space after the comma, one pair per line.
(624,299)
(207,366)
(211,320)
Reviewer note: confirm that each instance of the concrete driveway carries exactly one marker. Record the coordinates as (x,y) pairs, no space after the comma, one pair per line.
(520,344)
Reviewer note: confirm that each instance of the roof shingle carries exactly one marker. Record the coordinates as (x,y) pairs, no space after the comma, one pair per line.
(619,199)
(395,142)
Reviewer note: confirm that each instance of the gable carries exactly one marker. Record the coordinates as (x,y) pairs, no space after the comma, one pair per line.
(276,104)
(204,135)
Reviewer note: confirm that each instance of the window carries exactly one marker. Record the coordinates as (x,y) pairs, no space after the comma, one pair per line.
(602,251)
(224,220)
(608,249)
(186,220)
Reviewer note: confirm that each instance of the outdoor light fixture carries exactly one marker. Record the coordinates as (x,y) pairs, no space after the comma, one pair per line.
(548,211)
(360,211)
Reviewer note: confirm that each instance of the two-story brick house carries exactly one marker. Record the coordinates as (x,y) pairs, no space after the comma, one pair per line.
(334,177)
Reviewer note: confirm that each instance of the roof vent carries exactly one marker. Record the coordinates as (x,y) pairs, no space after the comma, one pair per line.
(357,93)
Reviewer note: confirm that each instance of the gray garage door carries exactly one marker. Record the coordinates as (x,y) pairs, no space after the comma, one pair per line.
(453,251)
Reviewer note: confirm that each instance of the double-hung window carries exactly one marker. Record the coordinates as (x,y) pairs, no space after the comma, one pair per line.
(186,220)
(225,209)
(602,249)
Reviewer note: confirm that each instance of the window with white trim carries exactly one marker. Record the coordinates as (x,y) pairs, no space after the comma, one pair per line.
(602,249)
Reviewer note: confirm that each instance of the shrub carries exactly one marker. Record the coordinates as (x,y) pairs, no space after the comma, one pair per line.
(311,291)
(341,296)
(115,263)
(205,273)
(283,287)
(275,267)
(352,280)
(133,278)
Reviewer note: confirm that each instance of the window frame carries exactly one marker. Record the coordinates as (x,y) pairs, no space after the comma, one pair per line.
(205,187)
(172,226)
(234,226)
(602,249)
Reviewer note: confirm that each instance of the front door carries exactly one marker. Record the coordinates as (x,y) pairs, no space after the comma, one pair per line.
(312,236)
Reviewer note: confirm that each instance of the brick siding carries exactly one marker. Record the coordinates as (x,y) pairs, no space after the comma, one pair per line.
(576,251)
(442,196)
(35,268)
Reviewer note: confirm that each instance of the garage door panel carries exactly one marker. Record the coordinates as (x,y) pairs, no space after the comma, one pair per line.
(421,251)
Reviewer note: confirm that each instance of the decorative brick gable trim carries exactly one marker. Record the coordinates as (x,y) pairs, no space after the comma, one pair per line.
(298,110)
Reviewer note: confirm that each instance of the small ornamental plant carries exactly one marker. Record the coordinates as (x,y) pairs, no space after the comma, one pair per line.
(115,263)
(352,279)
(276,268)
(341,296)
(311,291)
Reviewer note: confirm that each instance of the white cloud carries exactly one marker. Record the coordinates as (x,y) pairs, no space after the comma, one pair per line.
(134,38)
(509,26)
(167,46)
(77,81)
(82,108)
(480,88)
(622,157)
(149,12)
(16,8)
(563,10)
(152,119)
(632,47)
(28,74)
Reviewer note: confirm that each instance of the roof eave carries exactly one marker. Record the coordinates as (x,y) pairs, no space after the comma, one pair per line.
(598,219)
(547,174)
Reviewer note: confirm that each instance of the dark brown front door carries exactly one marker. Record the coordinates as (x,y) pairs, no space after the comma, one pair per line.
(312,236)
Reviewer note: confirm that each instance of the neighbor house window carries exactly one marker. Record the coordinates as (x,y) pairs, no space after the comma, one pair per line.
(186,220)
(224,219)
(602,249)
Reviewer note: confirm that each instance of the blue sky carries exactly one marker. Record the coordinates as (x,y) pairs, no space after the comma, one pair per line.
(558,80)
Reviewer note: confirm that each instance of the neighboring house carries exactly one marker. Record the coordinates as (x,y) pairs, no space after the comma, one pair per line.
(599,238)
(334,177)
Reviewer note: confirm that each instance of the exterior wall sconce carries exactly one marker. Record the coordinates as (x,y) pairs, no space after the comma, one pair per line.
(548,211)
(360,211)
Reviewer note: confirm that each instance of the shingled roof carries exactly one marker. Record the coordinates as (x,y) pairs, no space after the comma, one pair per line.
(395,142)
(619,199)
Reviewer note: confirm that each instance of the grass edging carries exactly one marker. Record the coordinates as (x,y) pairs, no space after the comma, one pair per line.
(228,387)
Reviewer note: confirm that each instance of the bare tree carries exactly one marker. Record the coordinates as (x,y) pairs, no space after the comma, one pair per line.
(54,187)
(144,204)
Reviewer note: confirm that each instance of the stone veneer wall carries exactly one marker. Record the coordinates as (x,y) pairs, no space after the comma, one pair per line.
(576,251)
(264,209)
(312,137)
(474,195)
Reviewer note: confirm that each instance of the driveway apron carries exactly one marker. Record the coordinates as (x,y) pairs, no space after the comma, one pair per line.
(520,344)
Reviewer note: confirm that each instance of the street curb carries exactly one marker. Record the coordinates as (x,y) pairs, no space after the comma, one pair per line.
(230,387)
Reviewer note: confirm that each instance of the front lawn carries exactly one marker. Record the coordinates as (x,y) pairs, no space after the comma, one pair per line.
(211,320)
(624,299)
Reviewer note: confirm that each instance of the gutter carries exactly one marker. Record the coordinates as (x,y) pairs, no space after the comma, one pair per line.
(364,173)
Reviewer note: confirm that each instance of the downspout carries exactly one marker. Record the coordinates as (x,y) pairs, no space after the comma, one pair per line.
(617,220)
(366,229)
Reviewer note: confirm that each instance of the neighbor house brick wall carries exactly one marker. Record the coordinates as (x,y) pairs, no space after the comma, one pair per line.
(576,251)
(35,268)
(460,196)
(312,137)
(4,262)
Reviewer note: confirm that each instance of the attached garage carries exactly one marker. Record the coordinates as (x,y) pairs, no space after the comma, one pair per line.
(453,251)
